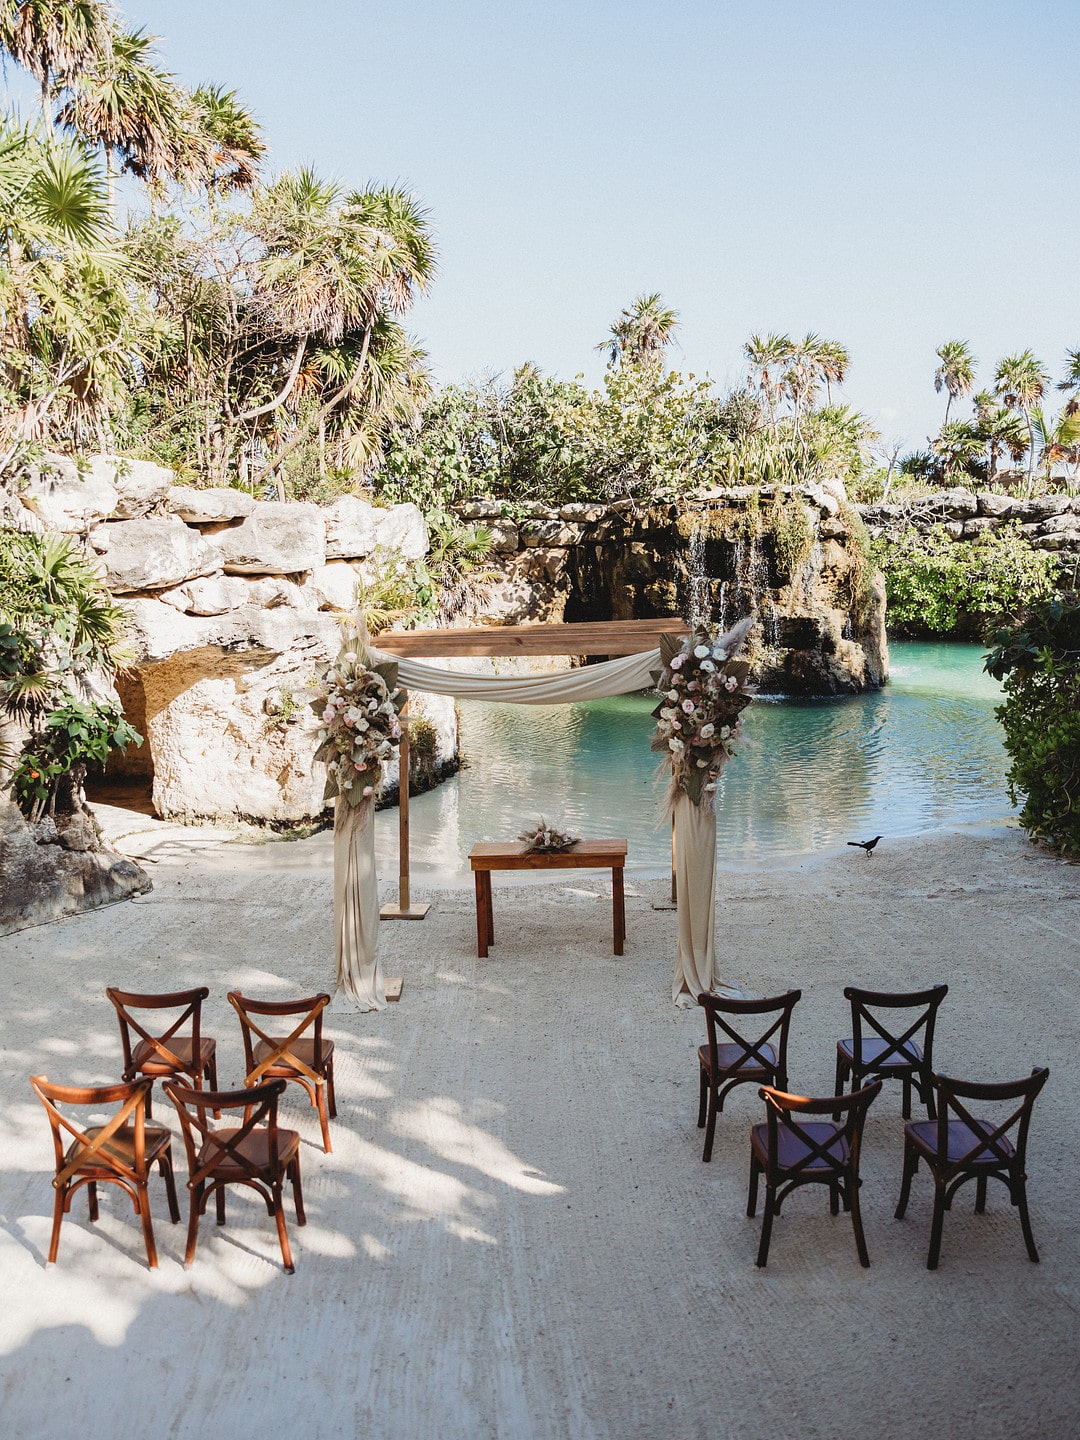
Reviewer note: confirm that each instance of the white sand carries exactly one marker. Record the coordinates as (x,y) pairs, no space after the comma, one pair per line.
(515,1235)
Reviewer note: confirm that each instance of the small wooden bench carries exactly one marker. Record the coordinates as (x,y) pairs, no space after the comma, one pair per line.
(514,855)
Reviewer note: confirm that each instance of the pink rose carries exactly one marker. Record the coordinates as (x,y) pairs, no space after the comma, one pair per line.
(688,707)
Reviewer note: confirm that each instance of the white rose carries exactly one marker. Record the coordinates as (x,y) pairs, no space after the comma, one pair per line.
(708,666)
(700,652)
(707,730)
(719,653)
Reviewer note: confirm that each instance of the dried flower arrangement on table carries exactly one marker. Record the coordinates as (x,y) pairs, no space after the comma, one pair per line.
(359,710)
(700,716)
(548,839)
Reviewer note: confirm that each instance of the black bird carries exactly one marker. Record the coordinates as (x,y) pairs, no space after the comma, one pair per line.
(867,845)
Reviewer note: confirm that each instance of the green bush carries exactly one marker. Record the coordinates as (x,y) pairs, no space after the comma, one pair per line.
(72,736)
(1039,663)
(936,585)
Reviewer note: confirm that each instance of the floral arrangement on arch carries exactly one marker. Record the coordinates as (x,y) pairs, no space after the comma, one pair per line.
(358,705)
(699,718)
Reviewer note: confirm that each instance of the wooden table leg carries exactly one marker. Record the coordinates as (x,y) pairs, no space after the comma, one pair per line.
(481,916)
(489,908)
(618,910)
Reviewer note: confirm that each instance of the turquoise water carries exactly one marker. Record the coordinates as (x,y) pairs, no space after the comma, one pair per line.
(923,754)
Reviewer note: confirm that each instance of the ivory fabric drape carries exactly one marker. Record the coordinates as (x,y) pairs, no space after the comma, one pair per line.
(695,887)
(356,908)
(591,682)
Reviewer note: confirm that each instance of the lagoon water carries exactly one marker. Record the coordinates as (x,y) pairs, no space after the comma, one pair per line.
(923,754)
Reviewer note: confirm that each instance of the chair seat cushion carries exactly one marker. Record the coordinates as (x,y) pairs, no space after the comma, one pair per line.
(734,1059)
(793,1149)
(962,1139)
(304,1050)
(121,1146)
(255,1148)
(151,1062)
(873,1048)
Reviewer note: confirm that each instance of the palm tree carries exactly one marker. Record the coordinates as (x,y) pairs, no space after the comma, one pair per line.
(768,354)
(1021,381)
(1071,383)
(228,145)
(958,448)
(1058,441)
(1000,429)
(833,360)
(54,39)
(803,375)
(955,374)
(642,332)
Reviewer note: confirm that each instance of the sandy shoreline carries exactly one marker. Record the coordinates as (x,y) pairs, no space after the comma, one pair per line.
(515,1235)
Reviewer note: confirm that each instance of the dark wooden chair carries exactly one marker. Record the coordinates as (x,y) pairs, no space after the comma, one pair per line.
(162,1053)
(743,1057)
(255,1153)
(791,1151)
(959,1146)
(877,1050)
(121,1152)
(305,1061)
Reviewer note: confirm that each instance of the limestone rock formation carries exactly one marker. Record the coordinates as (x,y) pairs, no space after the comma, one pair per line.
(350,529)
(58,868)
(154,553)
(402,531)
(68,496)
(140,485)
(274,539)
(205,507)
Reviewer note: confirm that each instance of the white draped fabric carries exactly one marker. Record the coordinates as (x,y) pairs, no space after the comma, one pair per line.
(356,908)
(356,900)
(564,687)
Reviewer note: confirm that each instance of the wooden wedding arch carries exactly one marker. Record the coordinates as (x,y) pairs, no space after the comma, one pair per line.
(610,638)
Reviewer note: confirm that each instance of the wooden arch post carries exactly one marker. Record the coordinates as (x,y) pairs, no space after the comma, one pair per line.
(609,638)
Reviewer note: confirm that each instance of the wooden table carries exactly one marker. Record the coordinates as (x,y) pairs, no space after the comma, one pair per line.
(513,855)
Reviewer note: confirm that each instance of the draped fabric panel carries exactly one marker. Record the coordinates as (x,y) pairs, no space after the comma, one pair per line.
(695,888)
(356,908)
(591,682)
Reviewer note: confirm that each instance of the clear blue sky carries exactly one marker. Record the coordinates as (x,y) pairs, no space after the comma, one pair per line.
(890,173)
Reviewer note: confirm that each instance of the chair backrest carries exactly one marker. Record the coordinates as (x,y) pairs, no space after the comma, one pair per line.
(187,1002)
(749,1036)
(920,1029)
(260,1106)
(990,1148)
(280,1051)
(92,1149)
(784,1110)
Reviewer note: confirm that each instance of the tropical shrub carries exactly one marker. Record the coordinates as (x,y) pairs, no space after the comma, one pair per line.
(71,737)
(935,585)
(1039,664)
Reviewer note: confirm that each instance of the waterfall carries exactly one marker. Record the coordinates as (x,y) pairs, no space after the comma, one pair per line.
(697,575)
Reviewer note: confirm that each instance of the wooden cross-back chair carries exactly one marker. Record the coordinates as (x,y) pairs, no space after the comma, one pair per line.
(959,1146)
(121,1152)
(876,1049)
(791,1151)
(163,1052)
(255,1153)
(743,1057)
(306,1061)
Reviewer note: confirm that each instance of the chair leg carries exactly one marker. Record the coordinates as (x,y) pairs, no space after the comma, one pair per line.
(911,1164)
(320,1100)
(937,1226)
(58,1219)
(297,1192)
(165,1167)
(841,1080)
(331,1094)
(147,1226)
(1025,1221)
(755,1171)
(92,1200)
(710,1123)
(703,1096)
(980,1195)
(219,1197)
(766,1228)
(834,1197)
(906,1109)
(211,1075)
(852,1190)
(927,1092)
(193,1225)
(283,1233)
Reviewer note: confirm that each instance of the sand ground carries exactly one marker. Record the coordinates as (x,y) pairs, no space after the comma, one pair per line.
(515,1235)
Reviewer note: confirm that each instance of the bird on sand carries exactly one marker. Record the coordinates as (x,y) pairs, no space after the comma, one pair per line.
(867,845)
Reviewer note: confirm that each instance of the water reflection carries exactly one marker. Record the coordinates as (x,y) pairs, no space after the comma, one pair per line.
(924,753)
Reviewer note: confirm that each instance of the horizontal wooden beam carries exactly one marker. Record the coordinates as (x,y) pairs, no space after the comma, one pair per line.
(599,637)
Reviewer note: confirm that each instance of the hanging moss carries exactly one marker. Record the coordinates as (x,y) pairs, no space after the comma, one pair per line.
(861,574)
(792,534)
